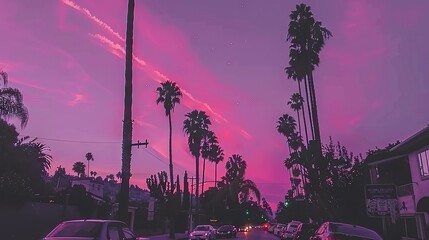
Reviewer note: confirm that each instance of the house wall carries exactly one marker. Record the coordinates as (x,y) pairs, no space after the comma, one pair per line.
(421,186)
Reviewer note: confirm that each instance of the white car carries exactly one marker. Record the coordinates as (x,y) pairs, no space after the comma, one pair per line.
(203,232)
(91,229)
(278,229)
(287,233)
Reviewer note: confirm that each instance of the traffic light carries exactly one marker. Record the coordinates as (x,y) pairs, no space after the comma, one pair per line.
(286,203)
(247,212)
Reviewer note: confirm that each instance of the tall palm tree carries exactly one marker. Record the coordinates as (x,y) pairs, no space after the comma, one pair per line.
(169,94)
(127,130)
(209,141)
(196,126)
(11,102)
(89,157)
(216,157)
(307,37)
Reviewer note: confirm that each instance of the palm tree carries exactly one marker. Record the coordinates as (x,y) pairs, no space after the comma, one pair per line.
(89,157)
(307,37)
(286,125)
(11,102)
(169,94)
(79,168)
(235,185)
(196,127)
(296,102)
(127,130)
(216,157)
(209,141)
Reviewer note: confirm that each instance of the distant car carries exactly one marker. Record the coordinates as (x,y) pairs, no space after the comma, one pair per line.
(304,231)
(335,230)
(91,229)
(203,232)
(243,229)
(226,231)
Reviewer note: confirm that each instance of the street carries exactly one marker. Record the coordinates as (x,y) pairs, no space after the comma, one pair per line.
(256,234)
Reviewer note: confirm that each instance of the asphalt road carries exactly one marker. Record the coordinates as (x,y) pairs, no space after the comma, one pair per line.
(256,234)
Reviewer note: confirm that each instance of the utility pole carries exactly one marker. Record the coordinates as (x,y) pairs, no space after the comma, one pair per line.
(190,205)
(138,144)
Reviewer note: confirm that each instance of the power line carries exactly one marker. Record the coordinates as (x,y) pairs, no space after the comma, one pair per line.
(74,141)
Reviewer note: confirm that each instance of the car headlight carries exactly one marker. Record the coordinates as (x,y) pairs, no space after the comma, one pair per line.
(192,234)
(205,234)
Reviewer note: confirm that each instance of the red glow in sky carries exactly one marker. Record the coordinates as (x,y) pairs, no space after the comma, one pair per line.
(67,58)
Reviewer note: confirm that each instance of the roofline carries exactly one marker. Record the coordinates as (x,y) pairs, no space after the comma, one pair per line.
(410,138)
(387,160)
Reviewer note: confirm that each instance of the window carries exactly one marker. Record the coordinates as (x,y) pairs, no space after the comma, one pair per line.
(127,233)
(423,158)
(113,232)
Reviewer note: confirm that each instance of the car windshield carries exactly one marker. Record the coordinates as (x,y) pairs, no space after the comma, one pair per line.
(202,228)
(77,229)
(225,228)
(353,230)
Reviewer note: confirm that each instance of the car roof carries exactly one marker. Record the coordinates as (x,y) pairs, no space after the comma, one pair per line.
(94,220)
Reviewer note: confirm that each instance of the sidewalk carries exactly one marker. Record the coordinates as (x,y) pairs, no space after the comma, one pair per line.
(179,236)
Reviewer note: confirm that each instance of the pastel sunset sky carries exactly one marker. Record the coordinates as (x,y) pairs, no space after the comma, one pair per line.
(228,57)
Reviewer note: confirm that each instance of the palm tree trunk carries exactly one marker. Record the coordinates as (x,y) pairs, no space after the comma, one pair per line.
(127,125)
(308,106)
(215,174)
(171,154)
(314,113)
(88,169)
(197,181)
(303,114)
(204,170)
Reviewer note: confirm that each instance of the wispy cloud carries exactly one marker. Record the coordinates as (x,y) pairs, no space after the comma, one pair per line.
(88,14)
(78,98)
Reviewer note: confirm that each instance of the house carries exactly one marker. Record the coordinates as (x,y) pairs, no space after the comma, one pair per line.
(94,187)
(406,165)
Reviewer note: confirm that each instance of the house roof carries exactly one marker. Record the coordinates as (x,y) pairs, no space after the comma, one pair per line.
(413,143)
(416,141)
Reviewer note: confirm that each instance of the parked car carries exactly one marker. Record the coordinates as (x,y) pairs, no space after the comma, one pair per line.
(289,230)
(91,229)
(271,228)
(203,232)
(334,230)
(304,231)
(226,231)
(278,229)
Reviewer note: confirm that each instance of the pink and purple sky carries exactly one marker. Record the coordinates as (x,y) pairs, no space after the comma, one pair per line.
(67,58)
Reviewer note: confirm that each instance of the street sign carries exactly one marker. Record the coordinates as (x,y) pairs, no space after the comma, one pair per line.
(381,200)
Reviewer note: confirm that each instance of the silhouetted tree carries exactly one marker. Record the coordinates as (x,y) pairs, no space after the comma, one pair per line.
(89,157)
(169,94)
(196,127)
(209,142)
(11,102)
(79,168)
